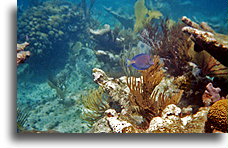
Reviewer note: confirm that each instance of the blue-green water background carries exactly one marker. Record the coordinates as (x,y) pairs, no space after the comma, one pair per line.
(47,110)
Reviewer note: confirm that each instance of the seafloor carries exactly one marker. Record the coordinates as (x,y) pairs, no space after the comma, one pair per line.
(122,66)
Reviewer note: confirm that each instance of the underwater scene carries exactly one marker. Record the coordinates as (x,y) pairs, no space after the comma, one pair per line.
(122,66)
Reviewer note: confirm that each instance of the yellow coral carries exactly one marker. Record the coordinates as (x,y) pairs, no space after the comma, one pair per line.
(217,117)
(143,15)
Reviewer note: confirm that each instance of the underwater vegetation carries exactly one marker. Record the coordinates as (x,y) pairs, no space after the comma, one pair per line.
(170,44)
(144,98)
(142,70)
(96,104)
(22,115)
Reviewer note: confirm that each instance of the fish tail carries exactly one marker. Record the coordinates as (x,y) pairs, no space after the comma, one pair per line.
(128,62)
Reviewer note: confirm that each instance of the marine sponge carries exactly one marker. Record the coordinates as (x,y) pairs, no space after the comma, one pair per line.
(217,117)
(211,95)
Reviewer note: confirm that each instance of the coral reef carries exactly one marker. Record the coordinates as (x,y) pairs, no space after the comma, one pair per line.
(148,100)
(21,54)
(106,38)
(87,10)
(110,123)
(206,39)
(48,28)
(217,117)
(211,95)
(168,119)
(95,105)
(143,15)
(78,79)
(113,40)
(115,88)
(125,20)
(170,44)
(172,122)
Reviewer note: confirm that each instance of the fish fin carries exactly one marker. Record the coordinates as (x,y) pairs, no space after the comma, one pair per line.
(129,62)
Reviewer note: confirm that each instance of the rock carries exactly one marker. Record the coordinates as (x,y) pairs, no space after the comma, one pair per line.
(116,88)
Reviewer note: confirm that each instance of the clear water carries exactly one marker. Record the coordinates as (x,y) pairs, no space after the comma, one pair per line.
(64,53)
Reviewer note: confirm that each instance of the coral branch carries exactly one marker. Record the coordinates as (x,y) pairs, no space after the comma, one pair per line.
(206,39)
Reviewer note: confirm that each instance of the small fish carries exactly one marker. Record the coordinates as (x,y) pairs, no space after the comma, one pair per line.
(140,62)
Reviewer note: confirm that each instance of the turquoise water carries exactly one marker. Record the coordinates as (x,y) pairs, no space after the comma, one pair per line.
(63,52)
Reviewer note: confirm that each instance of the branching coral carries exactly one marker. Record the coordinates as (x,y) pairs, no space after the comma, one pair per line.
(147,101)
(21,54)
(208,47)
(95,104)
(206,39)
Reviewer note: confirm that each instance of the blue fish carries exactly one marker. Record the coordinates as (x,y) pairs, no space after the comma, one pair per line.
(140,62)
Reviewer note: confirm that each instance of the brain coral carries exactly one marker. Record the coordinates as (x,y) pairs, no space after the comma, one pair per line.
(217,117)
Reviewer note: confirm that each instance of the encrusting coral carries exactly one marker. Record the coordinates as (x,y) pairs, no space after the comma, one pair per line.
(21,54)
(206,39)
